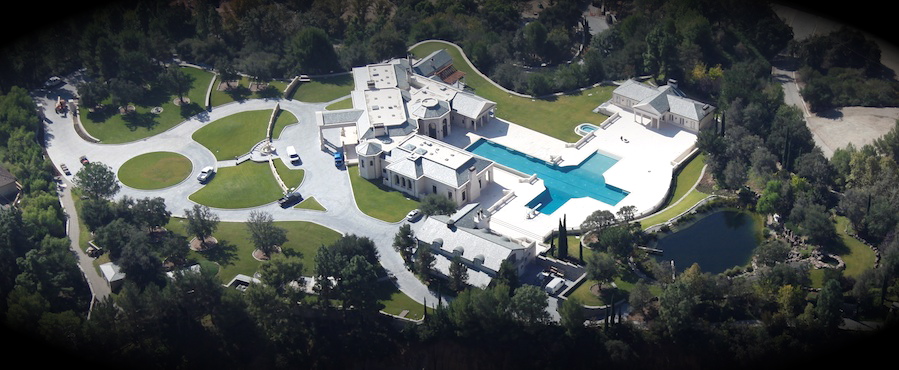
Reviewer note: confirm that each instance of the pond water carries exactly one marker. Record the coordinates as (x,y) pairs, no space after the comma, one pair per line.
(717,242)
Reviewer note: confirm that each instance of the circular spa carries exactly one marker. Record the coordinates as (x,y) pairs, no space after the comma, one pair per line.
(717,241)
(585,128)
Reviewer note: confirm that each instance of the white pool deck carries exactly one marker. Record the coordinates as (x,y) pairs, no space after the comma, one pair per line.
(644,169)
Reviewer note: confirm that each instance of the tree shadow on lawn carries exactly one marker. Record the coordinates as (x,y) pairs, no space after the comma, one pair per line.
(101,114)
(135,120)
(269,92)
(239,93)
(191,109)
(224,253)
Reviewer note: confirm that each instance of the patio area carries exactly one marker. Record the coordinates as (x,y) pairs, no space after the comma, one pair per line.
(646,161)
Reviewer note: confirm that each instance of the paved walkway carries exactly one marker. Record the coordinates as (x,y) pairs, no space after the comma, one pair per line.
(328,184)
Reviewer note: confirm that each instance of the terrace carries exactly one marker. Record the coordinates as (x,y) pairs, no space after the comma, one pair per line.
(646,159)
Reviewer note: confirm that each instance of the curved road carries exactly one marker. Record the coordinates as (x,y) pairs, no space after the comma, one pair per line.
(330,185)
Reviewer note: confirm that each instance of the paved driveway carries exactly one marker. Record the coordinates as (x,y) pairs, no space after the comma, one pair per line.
(328,184)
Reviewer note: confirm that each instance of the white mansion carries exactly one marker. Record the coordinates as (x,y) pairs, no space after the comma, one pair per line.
(394,129)
(653,106)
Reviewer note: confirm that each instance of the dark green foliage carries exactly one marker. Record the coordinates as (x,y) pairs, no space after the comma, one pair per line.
(201,222)
(97,180)
(507,275)
(310,51)
(458,274)
(404,243)
(193,322)
(352,263)
(563,241)
(265,235)
(435,204)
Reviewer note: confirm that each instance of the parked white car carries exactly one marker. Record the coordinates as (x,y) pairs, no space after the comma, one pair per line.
(205,174)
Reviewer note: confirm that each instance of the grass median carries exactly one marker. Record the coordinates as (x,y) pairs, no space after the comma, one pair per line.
(155,170)
(249,184)
(234,135)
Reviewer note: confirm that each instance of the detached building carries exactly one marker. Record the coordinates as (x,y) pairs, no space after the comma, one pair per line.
(398,118)
(481,251)
(9,187)
(438,65)
(653,106)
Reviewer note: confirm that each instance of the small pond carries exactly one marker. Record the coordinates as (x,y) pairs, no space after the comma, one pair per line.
(716,241)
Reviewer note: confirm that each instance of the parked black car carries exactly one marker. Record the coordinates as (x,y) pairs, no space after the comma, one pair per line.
(290,199)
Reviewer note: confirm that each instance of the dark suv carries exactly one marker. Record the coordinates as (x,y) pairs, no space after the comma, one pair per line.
(290,199)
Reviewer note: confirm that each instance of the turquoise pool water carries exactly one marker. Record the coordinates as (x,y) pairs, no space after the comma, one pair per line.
(562,183)
(587,128)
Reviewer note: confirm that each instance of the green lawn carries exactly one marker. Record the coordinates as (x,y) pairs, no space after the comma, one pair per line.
(236,248)
(243,92)
(857,256)
(556,117)
(234,135)
(291,178)
(111,127)
(246,185)
(284,119)
(342,104)
(310,203)
(683,191)
(688,201)
(583,293)
(625,284)
(84,235)
(378,201)
(686,178)
(395,301)
(155,170)
(574,243)
(325,89)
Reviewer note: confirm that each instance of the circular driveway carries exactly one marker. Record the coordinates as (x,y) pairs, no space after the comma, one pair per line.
(327,183)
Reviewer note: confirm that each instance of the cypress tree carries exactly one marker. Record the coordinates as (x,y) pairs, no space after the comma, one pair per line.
(563,241)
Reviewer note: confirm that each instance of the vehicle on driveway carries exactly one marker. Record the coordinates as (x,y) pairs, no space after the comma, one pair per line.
(338,159)
(206,174)
(53,82)
(290,199)
(292,154)
(413,215)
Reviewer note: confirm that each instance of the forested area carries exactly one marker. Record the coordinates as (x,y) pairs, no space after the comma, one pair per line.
(842,68)
(718,50)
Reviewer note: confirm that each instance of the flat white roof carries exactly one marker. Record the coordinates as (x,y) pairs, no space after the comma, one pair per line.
(436,151)
(383,76)
(385,107)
